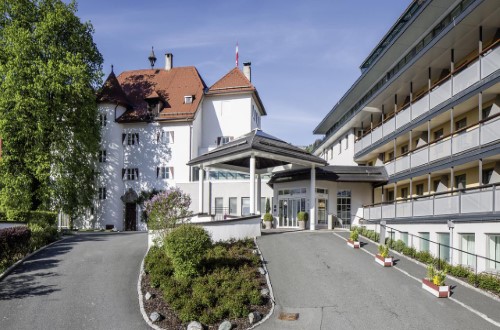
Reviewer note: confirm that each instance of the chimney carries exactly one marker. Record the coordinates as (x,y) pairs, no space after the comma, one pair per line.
(169,61)
(247,70)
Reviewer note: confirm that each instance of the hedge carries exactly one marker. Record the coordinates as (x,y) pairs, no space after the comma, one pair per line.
(45,217)
(14,242)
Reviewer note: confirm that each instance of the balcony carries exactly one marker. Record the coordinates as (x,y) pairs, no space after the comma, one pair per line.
(460,79)
(484,199)
(466,139)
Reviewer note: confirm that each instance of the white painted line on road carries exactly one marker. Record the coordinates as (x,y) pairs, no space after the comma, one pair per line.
(478,313)
(470,309)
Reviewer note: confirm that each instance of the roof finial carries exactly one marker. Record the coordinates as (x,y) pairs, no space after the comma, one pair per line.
(152,58)
(237,55)
(112,67)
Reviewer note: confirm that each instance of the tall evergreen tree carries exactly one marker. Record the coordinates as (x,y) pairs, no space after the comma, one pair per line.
(50,69)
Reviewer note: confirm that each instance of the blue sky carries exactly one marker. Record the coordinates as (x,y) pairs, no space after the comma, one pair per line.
(305,54)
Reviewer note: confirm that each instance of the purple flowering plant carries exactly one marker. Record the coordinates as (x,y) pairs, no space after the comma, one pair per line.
(167,209)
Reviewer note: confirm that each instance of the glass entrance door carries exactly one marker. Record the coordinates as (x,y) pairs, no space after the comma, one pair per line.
(322,206)
(288,209)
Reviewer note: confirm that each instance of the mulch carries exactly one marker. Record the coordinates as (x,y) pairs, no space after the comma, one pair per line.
(172,322)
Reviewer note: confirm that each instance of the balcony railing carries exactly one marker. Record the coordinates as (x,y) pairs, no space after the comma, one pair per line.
(483,199)
(461,78)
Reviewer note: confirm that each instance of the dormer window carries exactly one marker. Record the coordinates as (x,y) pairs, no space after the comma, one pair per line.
(188,99)
(154,104)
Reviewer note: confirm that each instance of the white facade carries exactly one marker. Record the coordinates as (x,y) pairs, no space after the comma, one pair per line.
(141,156)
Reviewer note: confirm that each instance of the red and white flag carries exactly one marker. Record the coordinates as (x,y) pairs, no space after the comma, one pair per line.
(237,56)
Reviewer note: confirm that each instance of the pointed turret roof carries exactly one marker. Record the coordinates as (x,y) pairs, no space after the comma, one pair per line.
(112,92)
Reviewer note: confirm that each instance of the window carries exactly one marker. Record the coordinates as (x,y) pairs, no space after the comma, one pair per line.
(391,155)
(262,205)
(494,251)
(130,174)
(390,196)
(164,172)
(460,181)
(438,134)
(404,192)
(486,111)
(404,237)
(165,137)
(460,124)
(420,189)
(102,156)
(223,140)
(102,120)
(346,142)
(436,185)
(245,206)
(344,206)
(467,244)
(404,149)
(444,249)
(424,241)
(340,146)
(233,205)
(255,116)
(487,174)
(130,138)
(219,209)
(188,99)
(102,193)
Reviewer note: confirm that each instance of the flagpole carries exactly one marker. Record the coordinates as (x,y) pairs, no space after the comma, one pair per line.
(237,55)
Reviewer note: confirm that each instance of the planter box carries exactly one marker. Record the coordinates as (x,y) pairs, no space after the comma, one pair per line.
(438,291)
(302,225)
(268,224)
(354,245)
(386,262)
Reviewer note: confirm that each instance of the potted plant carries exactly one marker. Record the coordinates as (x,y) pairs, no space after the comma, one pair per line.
(302,217)
(434,283)
(268,220)
(383,257)
(353,239)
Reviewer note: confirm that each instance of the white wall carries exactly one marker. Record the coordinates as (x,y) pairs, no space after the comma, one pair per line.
(343,155)
(481,230)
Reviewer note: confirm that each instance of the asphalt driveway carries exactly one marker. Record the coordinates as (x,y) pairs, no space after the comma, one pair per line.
(88,281)
(332,286)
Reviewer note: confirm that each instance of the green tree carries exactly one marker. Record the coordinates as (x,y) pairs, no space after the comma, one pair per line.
(50,69)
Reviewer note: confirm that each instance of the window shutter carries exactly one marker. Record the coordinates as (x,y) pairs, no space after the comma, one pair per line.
(158,137)
(123,173)
(171,173)
(157,172)
(218,140)
(137,173)
(172,137)
(137,137)
(124,136)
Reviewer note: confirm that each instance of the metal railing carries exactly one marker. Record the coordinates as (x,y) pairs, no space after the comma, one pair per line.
(442,258)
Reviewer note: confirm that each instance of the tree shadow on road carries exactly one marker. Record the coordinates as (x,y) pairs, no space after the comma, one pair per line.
(21,286)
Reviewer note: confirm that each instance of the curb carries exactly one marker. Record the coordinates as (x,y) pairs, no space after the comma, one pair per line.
(271,294)
(141,301)
(17,263)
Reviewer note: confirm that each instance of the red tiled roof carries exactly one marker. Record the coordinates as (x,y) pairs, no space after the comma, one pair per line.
(233,82)
(169,86)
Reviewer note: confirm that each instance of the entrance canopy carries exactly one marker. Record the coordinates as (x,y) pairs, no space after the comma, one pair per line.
(269,152)
(256,153)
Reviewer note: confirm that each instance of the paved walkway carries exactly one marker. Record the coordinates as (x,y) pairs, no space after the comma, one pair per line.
(332,286)
(88,281)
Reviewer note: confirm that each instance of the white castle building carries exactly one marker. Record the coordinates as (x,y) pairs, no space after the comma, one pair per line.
(153,122)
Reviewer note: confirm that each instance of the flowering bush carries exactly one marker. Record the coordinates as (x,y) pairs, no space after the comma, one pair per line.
(167,209)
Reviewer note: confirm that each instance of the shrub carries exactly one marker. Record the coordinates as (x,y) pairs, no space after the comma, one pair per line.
(302,216)
(42,234)
(14,244)
(268,206)
(383,250)
(489,282)
(268,217)
(399,245)
(424,257)
(458,271)
(354,236)
(186,246)
(167,209)
(409,251)
(157,265)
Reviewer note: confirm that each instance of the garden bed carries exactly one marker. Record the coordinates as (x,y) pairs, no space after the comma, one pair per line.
(227,288)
